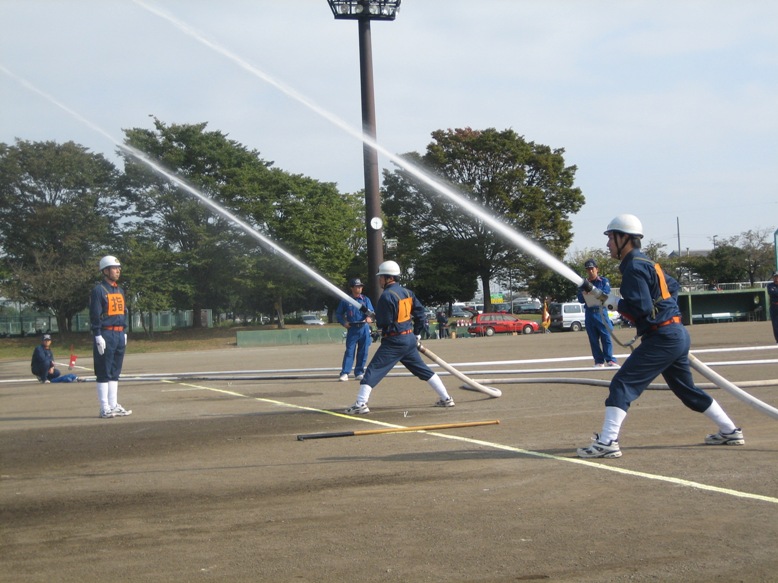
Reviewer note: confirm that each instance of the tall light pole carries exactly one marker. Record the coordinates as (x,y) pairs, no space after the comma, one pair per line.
(364,11)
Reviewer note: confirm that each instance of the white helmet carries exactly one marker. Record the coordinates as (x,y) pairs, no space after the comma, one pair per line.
(628,224)
(389,268)
(109,261)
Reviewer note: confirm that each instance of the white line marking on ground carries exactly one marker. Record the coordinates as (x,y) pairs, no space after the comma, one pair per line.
(591,464)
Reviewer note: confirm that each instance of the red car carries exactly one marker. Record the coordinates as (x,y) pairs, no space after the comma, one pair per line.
(490,324)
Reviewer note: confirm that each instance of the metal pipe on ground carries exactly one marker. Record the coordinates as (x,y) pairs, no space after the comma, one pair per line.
(396,429)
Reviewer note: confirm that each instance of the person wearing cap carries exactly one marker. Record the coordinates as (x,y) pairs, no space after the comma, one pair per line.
(772,292)
(357,324)
(443,327)
(400,317)
(42,364)
(108,316)
(649,301)
(598,324)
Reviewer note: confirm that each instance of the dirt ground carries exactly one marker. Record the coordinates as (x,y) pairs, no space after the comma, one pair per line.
(207,481)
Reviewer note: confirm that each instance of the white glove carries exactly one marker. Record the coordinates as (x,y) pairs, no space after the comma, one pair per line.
(100,343)
(125,340)
(418,337)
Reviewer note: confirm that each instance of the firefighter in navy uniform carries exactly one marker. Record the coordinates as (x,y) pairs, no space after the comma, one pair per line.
(649,302)
(42,364)
(772,292)
(108,316)
(400,317)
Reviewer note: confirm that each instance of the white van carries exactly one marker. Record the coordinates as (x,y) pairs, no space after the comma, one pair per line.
(567,316)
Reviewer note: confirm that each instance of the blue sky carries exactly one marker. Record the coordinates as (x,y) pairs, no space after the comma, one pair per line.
(667,108)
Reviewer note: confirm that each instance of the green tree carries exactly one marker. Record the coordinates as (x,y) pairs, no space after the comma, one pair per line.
(59,207)
(207,247)
(151,276)
(527,185)
(758,251)
(313,222)
(308,218)
(438,280)
(547,285)
(726,263)
(655,250)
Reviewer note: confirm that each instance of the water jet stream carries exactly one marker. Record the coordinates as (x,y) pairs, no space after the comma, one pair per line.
(521,241)
(142,157)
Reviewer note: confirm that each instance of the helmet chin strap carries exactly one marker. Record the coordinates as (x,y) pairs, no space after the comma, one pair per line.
(620,247)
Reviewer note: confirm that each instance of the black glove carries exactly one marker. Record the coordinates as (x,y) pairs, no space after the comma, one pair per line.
(595,291)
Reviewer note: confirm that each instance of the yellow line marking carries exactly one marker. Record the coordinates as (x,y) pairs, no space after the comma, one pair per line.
(591,464)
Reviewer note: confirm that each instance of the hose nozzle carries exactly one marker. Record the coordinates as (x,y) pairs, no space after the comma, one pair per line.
(595,291)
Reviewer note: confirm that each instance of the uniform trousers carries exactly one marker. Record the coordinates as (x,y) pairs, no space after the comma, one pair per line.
(357,340)
(599,333)
(108,366)
(663,351)
(394,349)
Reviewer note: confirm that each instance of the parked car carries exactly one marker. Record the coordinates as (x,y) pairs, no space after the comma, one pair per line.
(490,324)
(567,316)
(528,307)
(311,320)
(571,316)
(457,312)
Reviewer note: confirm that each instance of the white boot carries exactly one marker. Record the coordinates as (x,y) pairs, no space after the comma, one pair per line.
(360,407)
(611,426)
(716,414)
(113,398)
(113,394)
(437,385)
(102,398)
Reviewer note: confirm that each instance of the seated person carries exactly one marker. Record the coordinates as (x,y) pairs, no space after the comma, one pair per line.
(42,364)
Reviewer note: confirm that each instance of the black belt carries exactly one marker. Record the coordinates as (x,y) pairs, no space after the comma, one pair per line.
(352,324)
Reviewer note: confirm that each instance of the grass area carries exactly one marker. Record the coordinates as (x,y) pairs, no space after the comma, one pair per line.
(177,340)
(182,339)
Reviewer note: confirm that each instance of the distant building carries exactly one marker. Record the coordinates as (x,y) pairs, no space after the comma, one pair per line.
(690,253)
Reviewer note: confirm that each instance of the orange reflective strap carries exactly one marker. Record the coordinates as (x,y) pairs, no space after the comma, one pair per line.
(662,281)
